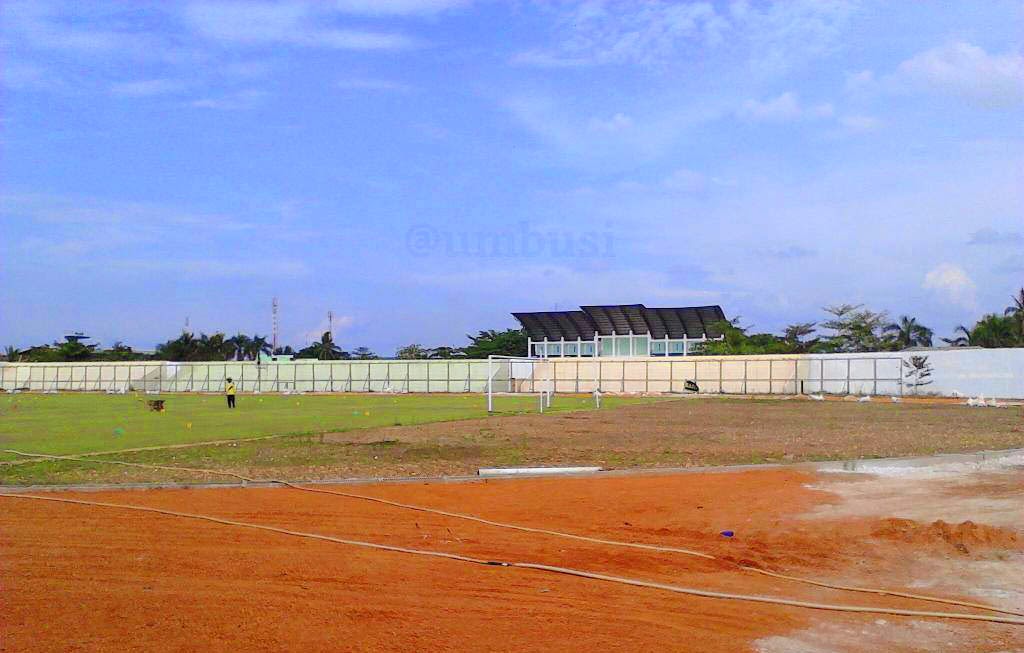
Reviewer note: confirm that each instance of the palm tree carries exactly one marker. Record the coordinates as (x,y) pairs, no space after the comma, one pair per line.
(239,345)
(1016,311)
(11,354)
(963,340)
(995,331)
(258,345)
(182,348)
(324,350)
(215,347)
(990,331)
(908,332)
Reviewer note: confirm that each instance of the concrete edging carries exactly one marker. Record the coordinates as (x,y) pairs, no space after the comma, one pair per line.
(831,466)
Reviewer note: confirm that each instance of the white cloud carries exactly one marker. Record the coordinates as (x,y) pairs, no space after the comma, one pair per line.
(148,87)
(782,34)
(990,236)
(686,180)
(860,124)
(216,268)
(239,100)
(619,141)
(365,84)
(398,7)
(293,23)
(966,71)
(952,283)
(959,70)
(89,213)
(544,284)
(784,108)
(609,33)
(616,123)
(857,82)
(41,26)
(29,76)
(658,33)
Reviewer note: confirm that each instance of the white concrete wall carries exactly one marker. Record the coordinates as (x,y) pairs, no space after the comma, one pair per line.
(312,376)
(988,372)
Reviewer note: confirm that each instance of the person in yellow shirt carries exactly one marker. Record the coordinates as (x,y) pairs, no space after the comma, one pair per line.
(229,390)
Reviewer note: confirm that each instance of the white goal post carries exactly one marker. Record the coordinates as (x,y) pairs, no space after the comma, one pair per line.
(520,375)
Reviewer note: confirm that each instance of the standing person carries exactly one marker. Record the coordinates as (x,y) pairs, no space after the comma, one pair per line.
(229,390)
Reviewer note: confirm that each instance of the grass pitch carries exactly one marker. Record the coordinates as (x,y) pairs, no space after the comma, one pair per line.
(78,423)
(345,436)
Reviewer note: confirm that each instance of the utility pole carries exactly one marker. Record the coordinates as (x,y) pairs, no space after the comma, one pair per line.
(330,323)
(273,311)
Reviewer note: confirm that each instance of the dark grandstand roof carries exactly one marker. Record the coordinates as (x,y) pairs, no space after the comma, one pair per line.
(621,319)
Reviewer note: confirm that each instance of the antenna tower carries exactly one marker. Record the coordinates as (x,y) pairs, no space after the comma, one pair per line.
(273,311)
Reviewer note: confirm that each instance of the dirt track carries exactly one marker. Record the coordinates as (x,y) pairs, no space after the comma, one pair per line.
(101,579)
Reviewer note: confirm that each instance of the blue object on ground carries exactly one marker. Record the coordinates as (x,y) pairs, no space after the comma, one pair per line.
(728,533)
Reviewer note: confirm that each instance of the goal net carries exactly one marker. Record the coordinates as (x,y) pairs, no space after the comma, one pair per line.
(519,384)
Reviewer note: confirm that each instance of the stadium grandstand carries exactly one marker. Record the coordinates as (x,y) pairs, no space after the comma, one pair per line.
(620,330)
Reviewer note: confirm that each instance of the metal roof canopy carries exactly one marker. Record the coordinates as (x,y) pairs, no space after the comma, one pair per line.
(622,319)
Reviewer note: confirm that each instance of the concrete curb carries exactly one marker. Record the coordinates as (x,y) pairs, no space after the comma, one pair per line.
(828,466)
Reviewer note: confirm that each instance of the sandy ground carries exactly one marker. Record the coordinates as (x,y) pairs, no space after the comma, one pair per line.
(80,578)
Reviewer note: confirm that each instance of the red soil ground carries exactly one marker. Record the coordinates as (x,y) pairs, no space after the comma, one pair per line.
(82,578)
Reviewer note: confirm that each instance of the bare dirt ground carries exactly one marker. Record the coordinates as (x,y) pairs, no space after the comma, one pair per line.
(679,433)
(82,578)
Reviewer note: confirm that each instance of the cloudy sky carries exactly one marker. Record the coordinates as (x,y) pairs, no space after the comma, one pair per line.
(424,167)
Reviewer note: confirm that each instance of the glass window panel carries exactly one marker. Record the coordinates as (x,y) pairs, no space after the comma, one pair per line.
(640,345)
(657,347)
(571,349)
(538,350)
(587,349)
(554,349)
(607,346)
(675,346)
(622,346)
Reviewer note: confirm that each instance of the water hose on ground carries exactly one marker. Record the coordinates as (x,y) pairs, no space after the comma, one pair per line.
(541,567)
(530,529)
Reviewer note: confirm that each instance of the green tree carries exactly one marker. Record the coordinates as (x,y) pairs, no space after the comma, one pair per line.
(325,349)
(11,354)
(412,352)
(215,347)
(962,340)
(182,348)
(511,342)
(856,329)
(238,345)
(1016,311)
(908,332)
(364,353)
(257,345)
(990,331)
(735,340)
(795,334)
(74,350)
(445,352)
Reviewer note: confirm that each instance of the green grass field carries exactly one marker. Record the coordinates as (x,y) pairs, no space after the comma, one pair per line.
(80,423)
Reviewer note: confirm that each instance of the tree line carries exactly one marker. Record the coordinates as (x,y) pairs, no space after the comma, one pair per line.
(849,328)
(854,328)
(240,347)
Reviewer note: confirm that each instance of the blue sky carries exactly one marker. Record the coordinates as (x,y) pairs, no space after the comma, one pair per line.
(424,167)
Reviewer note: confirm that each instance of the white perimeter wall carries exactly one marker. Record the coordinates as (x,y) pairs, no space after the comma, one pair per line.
(988,372)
